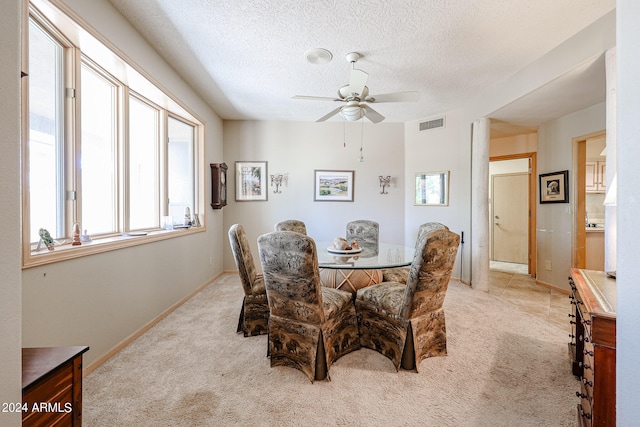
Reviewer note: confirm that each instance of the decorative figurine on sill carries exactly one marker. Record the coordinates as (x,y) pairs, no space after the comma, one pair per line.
(45,238)
(187,216)
(85,237)
(76,235)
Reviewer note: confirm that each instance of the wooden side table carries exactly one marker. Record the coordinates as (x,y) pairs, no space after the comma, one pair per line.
(52,386)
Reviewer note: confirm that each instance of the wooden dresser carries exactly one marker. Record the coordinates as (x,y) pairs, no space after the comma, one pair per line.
(52,386)
(593,345)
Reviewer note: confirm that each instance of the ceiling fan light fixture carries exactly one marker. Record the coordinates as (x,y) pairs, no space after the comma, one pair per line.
(352,112)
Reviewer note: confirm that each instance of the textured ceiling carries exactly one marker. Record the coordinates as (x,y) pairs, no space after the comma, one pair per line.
(246,57)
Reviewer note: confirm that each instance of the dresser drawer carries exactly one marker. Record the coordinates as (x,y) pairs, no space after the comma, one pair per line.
(50,399)
(49,419)
(584,414)
(52,386)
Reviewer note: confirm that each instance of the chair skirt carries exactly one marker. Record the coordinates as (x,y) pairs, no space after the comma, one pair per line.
(340,329)
(429,336)
(254,316)
(294,344)
(381,332)
(299,345)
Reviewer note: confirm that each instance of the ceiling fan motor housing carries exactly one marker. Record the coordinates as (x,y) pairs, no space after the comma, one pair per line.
(344,93)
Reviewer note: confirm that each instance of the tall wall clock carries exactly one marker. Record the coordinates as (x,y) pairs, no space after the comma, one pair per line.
(218,185)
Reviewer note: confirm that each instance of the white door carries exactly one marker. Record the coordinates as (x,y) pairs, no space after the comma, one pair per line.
(510,217)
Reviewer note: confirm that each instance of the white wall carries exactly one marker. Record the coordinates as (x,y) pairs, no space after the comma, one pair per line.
(436,150)
(100,300)
(299,148)
(628,267)
(555,225)
(10,282)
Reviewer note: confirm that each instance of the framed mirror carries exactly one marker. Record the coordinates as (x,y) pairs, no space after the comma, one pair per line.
(432,188)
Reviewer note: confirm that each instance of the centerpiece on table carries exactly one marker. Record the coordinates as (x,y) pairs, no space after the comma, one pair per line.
(342,246)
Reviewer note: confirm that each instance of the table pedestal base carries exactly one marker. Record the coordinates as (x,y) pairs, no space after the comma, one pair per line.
(349,280)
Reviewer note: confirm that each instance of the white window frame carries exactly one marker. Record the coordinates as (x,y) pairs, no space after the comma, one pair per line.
(83,44)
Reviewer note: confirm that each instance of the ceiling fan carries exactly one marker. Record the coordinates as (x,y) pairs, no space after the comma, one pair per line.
(356,96)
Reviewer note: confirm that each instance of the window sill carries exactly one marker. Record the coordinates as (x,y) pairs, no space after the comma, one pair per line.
(67,251)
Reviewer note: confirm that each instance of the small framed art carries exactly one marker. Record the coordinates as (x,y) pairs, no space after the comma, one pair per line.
(554,187)
(333,186)
(251,181)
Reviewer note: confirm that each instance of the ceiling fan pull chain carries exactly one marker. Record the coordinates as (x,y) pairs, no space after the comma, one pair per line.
(361,158)
(344,134)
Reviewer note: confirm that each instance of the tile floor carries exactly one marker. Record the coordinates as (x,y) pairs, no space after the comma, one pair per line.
(522,291)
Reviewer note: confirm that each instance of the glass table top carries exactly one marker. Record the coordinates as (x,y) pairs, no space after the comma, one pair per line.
(387,256)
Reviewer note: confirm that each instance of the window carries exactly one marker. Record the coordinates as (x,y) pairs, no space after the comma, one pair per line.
(98,166)
(114,157)
(46,145)
(143,165)
(181,168)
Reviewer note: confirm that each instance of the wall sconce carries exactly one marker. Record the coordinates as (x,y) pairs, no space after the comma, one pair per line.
(385,181)
(276,180)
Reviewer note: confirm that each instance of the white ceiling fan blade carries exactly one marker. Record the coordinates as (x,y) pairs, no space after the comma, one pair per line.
(411,96)
(357,81)
(372,114)
(329,115)
(316,98)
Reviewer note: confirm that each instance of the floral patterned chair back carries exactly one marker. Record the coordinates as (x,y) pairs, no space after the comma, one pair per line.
(291,225)
(428,227)
(310,326)
(401,274)
(254,315)
(430,272)
(365,232)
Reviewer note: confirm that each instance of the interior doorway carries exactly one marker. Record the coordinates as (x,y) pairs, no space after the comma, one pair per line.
(589,189)
(509,207)
(512,192)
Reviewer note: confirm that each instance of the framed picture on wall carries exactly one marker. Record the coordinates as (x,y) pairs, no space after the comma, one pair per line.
(432,188)
(333,186)
(251,181)
(554,187)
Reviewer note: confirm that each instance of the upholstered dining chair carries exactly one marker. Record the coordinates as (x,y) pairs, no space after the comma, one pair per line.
(406,323)
(310,326)
(254,315)
(365,232)
(401,274)
(291,225)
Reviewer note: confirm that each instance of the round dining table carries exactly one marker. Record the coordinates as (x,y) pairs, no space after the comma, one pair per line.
(352,269)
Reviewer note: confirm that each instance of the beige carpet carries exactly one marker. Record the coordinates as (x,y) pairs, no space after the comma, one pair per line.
(504,368)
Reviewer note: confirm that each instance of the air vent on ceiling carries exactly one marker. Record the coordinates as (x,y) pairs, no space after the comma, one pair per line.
(432,124)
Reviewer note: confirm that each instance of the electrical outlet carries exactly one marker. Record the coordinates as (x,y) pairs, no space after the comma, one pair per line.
(210,260)
(547,265)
